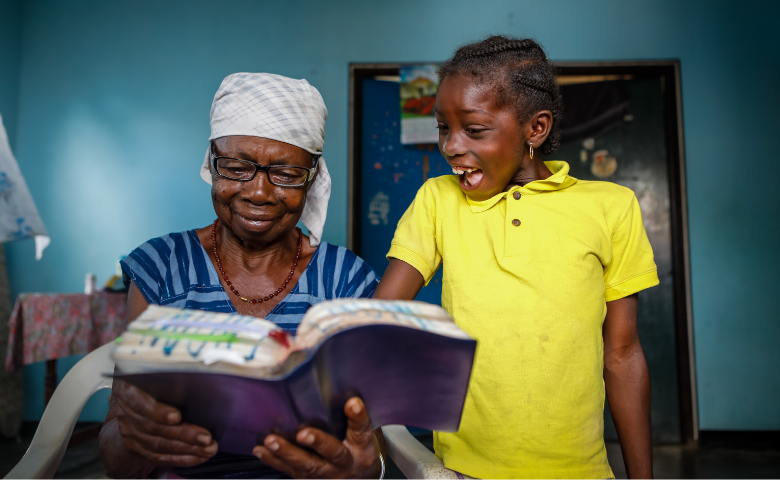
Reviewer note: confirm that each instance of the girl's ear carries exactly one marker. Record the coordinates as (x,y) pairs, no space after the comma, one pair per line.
(540,125)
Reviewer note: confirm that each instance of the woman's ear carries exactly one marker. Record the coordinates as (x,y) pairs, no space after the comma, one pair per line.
(540,126)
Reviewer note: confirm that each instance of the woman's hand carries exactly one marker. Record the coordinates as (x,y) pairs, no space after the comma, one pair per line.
(155,432)
(355,457)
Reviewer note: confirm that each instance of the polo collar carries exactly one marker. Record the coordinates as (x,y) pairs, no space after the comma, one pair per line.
(559,180)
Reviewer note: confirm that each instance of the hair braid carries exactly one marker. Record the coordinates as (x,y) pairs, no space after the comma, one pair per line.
(525,77)
(481,50)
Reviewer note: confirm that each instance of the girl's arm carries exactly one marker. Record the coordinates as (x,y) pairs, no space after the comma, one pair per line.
(628,385)
(401,281)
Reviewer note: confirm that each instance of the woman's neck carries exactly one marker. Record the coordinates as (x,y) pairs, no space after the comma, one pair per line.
(252,256)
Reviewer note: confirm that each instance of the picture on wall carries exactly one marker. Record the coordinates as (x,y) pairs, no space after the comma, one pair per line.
(418,97)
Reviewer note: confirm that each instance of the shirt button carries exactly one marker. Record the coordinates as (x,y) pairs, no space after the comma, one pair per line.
(517,195)
(516,222)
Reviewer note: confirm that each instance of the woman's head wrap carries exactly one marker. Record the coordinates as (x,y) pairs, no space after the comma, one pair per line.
(283,109)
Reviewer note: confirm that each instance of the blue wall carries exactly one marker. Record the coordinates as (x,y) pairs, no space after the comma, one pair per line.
(113,121)
(10,60)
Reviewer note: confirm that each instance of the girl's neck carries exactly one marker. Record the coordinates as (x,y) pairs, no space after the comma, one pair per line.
(531,170)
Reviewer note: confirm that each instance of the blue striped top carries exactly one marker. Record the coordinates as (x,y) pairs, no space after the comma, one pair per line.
(175,271)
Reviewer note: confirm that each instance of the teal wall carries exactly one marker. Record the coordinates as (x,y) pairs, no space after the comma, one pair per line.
(10,60)
(113,122)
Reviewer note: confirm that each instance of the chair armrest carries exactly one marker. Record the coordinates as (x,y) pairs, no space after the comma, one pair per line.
(45,453)
(411,456)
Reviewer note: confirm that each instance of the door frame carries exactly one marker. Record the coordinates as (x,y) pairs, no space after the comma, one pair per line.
(669,72)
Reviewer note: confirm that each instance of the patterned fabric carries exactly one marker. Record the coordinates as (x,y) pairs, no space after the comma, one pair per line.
(175,271)
(270,106)
(283,109)
(48,326)
(19,218)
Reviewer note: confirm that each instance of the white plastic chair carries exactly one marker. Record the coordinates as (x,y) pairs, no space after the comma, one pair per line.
(412,457)
(48,446)
(51,439)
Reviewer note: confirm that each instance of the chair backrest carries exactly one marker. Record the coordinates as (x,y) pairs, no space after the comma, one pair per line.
(51,439)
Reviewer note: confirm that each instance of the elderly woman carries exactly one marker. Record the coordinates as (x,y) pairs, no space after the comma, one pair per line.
(264,163)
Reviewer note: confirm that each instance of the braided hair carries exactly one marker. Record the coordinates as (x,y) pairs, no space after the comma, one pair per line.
(522,74)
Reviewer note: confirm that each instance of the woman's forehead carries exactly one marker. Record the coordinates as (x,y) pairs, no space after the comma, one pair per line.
(257,148)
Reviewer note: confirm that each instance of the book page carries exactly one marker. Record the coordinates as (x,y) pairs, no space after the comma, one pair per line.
(172,339)
(327,318)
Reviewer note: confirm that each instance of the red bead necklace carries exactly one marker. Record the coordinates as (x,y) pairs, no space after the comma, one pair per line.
(232,289)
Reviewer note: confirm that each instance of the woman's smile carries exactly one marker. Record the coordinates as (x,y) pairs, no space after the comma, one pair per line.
(254,223)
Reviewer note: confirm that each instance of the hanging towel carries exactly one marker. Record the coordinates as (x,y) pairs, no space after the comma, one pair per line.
(19,218)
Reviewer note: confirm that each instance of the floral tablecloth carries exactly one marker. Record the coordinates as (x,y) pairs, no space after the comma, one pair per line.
(49,326)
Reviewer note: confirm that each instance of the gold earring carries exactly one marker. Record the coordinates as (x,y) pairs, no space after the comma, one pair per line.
(531,149)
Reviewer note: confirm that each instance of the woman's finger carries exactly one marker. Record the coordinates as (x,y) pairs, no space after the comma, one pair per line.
(185,432)
(163,459)
(298,462)
(359,430)
(142,403)
(267,457)
(164,445)
(329,447)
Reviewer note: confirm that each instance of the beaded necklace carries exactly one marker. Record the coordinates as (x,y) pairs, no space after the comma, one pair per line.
(232,288)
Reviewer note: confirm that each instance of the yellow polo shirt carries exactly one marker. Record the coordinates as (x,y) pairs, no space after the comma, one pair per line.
(528,273)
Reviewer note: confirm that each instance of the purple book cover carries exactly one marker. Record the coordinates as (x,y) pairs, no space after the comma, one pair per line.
(405,376)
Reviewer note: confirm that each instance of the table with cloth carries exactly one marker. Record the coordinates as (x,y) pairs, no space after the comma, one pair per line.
(46,326)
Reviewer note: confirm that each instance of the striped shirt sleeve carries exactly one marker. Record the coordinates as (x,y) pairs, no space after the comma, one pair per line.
(134,270)
(358,280)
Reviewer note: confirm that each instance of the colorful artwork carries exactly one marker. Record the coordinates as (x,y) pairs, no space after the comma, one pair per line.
(418,97)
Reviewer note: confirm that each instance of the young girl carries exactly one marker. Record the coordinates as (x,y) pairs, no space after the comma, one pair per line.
(541,268)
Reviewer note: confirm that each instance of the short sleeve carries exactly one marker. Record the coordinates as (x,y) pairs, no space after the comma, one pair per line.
(632,268)
(142,267)
(415,237)
(360,281)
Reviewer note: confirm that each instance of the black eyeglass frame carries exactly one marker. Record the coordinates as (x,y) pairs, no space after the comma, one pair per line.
(263,168)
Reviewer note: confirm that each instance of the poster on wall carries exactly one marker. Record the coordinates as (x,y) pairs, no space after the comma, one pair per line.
(418,97)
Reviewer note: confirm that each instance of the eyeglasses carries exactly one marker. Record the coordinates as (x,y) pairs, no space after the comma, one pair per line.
(279,175)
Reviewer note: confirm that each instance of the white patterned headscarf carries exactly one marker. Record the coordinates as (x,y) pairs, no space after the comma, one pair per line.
(283,109)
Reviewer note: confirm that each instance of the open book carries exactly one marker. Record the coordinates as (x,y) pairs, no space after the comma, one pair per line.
(243,377)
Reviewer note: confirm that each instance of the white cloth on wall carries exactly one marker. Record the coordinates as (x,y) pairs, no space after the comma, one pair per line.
(19,218)
(283,109)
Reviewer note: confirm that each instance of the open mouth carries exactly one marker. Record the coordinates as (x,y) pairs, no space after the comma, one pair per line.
(469,177)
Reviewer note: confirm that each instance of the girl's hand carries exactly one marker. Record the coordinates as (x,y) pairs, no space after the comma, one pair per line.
(154,431)
(355,457)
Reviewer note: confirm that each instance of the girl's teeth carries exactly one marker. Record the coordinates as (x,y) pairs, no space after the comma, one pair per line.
(458,171)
